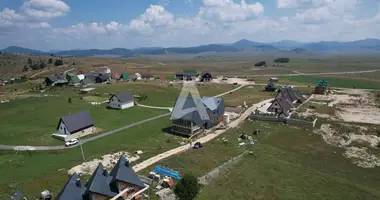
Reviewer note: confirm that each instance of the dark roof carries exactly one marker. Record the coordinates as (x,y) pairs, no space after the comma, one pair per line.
(99,183)
(91,76)
(124,173)
(214,108)
(284,105)
(73,189)
(87,80)
(77,121)
(204,73)
(178,113)
(124,96)
(189,73)
(60,75)
(179,74)
(146,75)
(52,78)
(103,77)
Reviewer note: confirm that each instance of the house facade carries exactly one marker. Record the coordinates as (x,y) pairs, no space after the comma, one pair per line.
(285,101)
(206,77)
(75,126)
(191,123)
(121,100)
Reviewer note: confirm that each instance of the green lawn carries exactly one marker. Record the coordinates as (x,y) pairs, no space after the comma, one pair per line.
(31,121)
(37,171)
(289,163)
(345,82)
(249,94)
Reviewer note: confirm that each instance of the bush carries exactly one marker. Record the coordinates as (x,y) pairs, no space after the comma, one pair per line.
(281,60)
(187,188)
(58,62)
(259,64)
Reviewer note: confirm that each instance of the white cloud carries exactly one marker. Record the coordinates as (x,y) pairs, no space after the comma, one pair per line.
(216,22)
(323,11)
(45,9)
(227,10)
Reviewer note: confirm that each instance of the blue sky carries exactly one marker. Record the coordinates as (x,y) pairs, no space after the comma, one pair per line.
(70,24)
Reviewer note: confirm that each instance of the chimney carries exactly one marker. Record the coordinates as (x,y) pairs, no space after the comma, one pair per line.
(77,182)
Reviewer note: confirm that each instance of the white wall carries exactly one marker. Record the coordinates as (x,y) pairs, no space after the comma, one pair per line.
(114,103)
(127,105)
(62,128)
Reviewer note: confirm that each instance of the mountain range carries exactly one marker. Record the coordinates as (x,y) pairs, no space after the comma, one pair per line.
(359,47)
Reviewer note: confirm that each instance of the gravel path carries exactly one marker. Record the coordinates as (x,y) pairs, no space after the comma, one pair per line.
(203,140)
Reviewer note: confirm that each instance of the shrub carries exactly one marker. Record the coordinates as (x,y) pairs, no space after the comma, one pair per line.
(187,188)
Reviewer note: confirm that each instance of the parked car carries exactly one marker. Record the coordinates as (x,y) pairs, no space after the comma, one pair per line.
(71,142)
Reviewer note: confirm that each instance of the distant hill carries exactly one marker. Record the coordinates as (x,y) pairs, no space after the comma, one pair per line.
(360,47)
(287,44)
(16,49)
(96,52)
(244,44)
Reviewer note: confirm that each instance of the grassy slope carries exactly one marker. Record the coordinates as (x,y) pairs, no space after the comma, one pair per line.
(288,163)
(31,121)
(36,171)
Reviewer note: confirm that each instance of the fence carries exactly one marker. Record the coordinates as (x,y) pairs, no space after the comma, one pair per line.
(295,122)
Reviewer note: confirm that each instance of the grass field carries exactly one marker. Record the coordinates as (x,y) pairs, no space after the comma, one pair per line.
(250,94)
(288,163)
(31,121)
(35,171)
(342,81)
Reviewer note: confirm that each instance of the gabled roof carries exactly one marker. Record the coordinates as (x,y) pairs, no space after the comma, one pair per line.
(188,102)
(204,73)
(284,105)
(211,102)
(124,173)
(52,78)
(77,121)
(115,75)
(214,107)
(103,77)
(124,96)
(179,74)
(73,189)
(99,183)
(124,75)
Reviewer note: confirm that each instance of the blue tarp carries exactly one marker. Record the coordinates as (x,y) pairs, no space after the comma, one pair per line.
(167,172)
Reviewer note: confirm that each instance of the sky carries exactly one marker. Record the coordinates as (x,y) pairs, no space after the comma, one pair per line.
(105,24)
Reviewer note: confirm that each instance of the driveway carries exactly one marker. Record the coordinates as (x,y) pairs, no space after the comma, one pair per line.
(203,140)
(47,148)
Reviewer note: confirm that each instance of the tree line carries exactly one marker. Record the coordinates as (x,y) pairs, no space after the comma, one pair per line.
(41,64)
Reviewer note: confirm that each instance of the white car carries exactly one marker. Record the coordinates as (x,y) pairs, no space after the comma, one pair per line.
(71,142)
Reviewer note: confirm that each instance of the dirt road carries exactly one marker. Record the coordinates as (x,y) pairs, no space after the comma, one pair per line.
(204,139)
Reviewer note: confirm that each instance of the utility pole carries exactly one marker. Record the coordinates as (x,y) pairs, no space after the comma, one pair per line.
(81,148)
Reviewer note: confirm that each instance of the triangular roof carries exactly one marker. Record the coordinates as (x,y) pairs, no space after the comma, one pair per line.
(204,73)
(115,75)
(124,75)
(77,121)
(73,189)
(99,183)
(124,96)
(124,173)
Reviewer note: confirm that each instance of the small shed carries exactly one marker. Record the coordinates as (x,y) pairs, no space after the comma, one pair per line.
(124,76)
